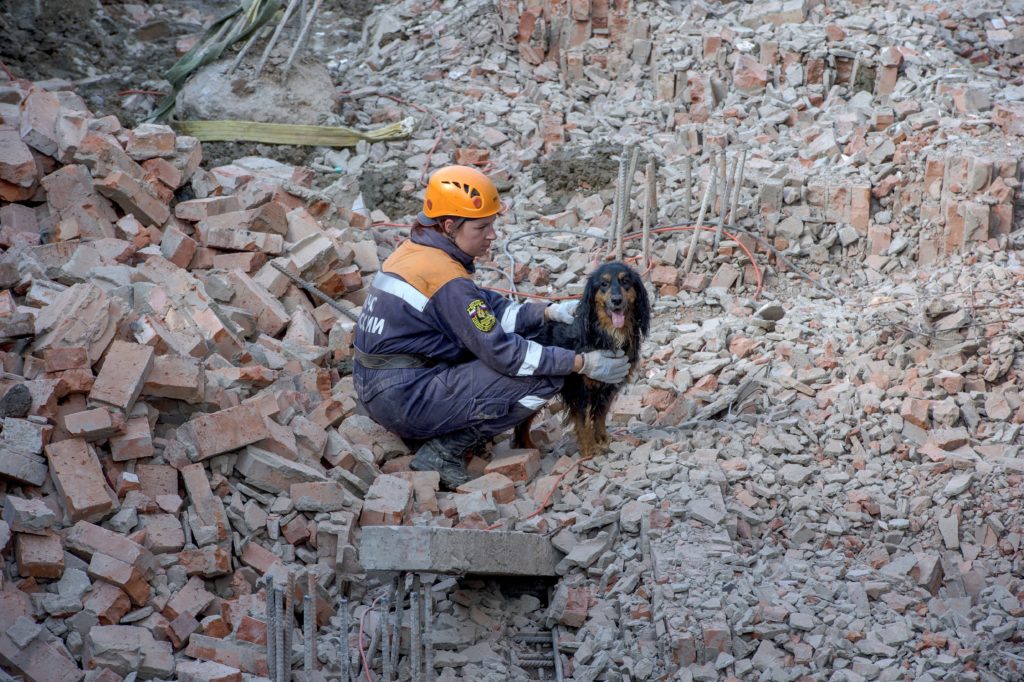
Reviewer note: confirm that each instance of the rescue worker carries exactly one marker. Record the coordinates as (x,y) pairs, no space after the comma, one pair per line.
(437,358)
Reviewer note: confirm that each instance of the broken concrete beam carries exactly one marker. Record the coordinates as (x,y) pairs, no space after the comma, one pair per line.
(456,551)
(79,479)
(121,378)
(212,434)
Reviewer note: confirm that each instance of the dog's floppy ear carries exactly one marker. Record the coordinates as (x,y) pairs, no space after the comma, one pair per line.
(586,318)
(643,305)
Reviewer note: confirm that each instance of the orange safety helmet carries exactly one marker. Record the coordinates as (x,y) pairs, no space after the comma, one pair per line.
(460,191)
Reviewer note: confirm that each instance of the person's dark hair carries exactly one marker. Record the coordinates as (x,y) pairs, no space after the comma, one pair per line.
(437,224)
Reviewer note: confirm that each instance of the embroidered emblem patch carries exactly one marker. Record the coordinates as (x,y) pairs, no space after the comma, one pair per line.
(482,317)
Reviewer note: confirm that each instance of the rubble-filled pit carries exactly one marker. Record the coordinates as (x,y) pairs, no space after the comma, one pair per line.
(815,475)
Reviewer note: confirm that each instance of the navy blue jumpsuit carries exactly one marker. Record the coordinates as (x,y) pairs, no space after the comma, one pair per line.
(489,375)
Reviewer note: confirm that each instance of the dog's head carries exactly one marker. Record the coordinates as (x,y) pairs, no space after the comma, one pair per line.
(615,303)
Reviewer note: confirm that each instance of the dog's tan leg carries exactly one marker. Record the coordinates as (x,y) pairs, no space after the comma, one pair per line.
(584,436)
(522,438)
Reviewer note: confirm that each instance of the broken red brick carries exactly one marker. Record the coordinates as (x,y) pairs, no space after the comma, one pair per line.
(79,479)
(209,561)
(501,488)
(387,502)
(93,425)
(134,196)
(517,465)
(39,556)
(120,380)
(192,598)
(121,574)
(108,603)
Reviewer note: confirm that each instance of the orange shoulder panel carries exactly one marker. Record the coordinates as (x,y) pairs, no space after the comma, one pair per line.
(427,269)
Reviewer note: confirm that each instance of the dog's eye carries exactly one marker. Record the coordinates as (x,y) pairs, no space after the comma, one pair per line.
(605,284)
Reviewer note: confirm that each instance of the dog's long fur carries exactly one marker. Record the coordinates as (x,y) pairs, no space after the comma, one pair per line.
(614,287)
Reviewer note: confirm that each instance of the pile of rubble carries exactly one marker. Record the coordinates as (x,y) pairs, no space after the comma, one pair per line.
(825,488)
(168,409)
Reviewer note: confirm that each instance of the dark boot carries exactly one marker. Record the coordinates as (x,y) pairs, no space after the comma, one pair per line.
(446,455)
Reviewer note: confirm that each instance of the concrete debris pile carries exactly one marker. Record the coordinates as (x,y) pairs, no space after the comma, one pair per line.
(819,486)
(846,112)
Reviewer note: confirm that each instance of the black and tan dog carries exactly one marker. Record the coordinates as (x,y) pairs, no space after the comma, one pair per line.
(614,314)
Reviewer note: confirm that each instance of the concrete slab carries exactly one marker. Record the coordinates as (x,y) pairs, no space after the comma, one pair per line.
(456,551)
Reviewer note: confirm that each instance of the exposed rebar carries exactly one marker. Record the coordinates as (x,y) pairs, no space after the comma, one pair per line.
(346,675)
(620,186)
(300,41)
(279,635)
(289,628)
(428,636)
(712,183)
(737,187)
(724,203)
(688,189)
(627,191)
(650,209)
(309,626)
(396,623)
(271,631)
(557,655)
(415,645)
(385,639)
(245,50)
(292,4)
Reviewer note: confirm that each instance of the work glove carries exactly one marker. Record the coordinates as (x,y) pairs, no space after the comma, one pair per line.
(610,367)
(562,311)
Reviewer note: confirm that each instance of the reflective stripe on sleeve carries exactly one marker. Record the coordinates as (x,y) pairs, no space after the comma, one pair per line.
(509,317)
(403,290)
(533,402)
(531,360)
